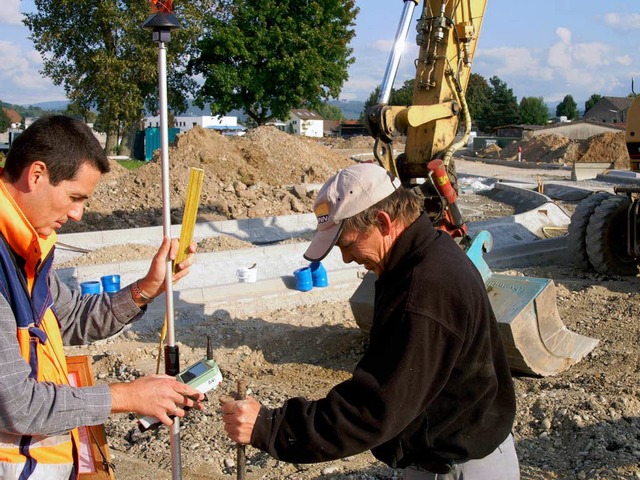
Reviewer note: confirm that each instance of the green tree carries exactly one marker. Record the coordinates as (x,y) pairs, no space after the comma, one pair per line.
(533,111)
(567,108)
(103,58)
(478,98)
(404,95)
(88,115)
(502,106)
(329,112)
(4,121)
(266,57)
(593,99)
(368,103)
(400,97)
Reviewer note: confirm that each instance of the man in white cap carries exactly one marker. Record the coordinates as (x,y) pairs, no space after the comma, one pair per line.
(432,393)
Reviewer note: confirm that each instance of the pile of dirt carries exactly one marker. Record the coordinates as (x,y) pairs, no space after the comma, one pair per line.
(607,147)
(490,151)
(549,148)
(581,424)
(552,148)
(244,177)
(355,142)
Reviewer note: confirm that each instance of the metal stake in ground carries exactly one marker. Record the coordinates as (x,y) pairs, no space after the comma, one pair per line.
(161,22)
(241,459)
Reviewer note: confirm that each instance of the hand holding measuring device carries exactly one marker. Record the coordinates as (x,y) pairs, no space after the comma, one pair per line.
(204,376)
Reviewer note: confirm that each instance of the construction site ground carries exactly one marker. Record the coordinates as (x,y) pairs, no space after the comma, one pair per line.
(583,423)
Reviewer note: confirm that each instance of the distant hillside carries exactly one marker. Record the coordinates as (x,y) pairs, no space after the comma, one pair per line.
(351,109)
(52,106)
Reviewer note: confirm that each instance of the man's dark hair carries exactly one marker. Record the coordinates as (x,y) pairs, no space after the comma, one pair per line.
(62,143)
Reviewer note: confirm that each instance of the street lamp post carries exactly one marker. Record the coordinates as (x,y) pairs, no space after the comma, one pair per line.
(161,23)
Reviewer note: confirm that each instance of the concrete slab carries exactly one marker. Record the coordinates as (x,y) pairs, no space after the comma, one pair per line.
(584,171)
(213,283)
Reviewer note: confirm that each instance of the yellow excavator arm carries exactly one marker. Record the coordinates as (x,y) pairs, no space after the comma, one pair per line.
(537,341)
(447,35)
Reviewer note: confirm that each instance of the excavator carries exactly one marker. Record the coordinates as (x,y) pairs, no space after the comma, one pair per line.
(537,341)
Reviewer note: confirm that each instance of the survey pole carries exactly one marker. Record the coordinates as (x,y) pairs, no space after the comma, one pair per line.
(161,23)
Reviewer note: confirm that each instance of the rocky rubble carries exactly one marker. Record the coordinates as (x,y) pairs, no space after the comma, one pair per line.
(581,424)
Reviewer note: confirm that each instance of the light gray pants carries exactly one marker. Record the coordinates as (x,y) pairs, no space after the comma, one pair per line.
(501,464)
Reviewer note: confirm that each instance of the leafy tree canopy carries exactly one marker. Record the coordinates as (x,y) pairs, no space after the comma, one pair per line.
(400,97)
(533,111)
(5,123)
(503,106)
(567,108)
(29,111)
(478,98)
(329,112)
(593,99)
(105,60)
(266,57)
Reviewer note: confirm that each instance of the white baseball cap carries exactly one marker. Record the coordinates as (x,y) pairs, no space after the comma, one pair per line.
(351,191)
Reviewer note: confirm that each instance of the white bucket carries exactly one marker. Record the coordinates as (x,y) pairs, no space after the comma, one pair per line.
(247,275)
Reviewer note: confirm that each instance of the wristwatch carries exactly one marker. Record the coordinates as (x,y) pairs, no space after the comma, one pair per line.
(137,294)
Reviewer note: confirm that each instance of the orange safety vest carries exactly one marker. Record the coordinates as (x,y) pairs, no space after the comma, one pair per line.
(40,341)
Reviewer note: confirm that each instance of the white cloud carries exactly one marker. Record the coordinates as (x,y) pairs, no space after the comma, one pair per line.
(512,61)
(11,58)
(564,34)
(592,54)
(625,60)
(623,21)
(10,12)
(20,76)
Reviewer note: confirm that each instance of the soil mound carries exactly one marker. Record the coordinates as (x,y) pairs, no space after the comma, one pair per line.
(608,147)
(355,142)
(244,177)
(549,148)
(552,148)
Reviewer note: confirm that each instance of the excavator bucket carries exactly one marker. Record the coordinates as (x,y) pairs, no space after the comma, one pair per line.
(537,341)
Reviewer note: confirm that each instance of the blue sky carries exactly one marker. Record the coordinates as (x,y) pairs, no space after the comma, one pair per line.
(541,48)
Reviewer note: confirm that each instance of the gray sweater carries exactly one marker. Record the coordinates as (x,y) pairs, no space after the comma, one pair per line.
(28,407)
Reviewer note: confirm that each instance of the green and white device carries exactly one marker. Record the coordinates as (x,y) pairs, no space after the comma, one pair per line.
(203,375)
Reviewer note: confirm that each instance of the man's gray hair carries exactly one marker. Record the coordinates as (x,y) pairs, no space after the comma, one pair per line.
(403,205)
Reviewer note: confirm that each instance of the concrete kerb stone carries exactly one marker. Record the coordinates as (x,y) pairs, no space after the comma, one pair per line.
(511,163)
(213,284)
(620,176)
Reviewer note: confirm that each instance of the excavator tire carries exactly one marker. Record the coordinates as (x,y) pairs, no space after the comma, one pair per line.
(607,238)
(577,244)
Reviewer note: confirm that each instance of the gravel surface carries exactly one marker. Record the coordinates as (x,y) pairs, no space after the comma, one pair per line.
(581,424)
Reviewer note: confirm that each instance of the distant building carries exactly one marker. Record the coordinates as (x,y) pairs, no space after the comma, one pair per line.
(514,131)
(280,125)
(578,129)
(185,123)
(306,123)
(351,128)
(609,110)
(14,117)
(330,128)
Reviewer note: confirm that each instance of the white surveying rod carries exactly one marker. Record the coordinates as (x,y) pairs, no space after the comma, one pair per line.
(161,23)
(176,466)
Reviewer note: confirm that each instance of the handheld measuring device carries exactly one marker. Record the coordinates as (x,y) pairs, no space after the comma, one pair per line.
(203,375)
